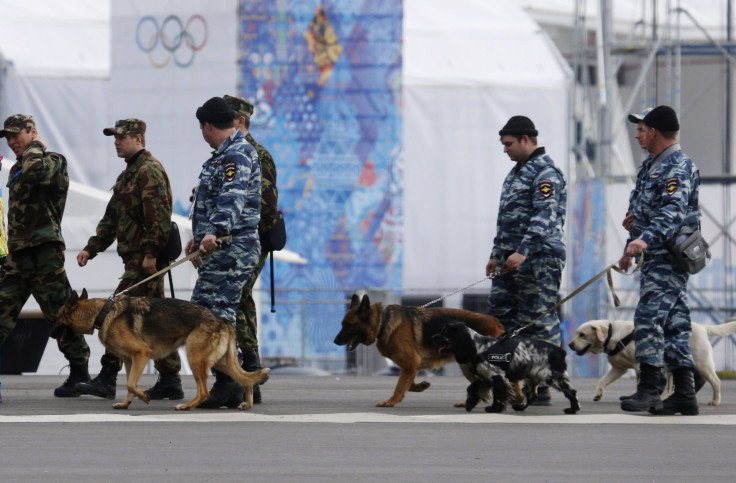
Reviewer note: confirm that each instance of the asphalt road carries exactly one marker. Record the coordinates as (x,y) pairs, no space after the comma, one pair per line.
(328,429)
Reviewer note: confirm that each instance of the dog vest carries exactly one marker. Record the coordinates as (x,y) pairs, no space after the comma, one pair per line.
(500,353)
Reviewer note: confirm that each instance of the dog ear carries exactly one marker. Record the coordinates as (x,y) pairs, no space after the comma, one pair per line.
(365,304)
(73,299)
(599,333)
(354,301)
(84,294)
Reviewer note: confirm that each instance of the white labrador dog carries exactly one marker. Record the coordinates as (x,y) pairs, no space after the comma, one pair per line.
(616,339)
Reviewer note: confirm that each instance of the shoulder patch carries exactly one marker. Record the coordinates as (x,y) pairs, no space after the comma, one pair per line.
(231,170)
(671,185)
(546,188)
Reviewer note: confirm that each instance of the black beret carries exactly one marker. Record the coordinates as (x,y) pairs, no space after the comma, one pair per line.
(215,110)
(519,126)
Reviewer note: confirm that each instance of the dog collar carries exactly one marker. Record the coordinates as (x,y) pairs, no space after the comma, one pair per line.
(385,317)
(619,345)
(103,313)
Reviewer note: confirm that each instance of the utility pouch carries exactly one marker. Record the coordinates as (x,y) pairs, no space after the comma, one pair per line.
(690,251)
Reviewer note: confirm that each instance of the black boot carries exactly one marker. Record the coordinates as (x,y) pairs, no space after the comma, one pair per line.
(101,386)
(251,362)
(683,400)
(661,384)
(647,391)
(76,374)
(168,386)
(225,392)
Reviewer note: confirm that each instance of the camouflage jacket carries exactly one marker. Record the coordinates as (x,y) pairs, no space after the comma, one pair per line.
(138,216)
(228,197)
(532,210)
(665,198)
(38,183)
(269,192)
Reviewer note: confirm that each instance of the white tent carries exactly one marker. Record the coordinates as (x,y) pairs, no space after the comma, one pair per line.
(467,69)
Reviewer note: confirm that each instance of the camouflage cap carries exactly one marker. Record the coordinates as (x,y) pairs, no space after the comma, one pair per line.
(126,126)
(240,105)
(15,123)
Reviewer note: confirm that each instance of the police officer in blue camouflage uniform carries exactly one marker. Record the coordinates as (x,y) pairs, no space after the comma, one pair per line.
(663,204)
(529,245)
(227,202)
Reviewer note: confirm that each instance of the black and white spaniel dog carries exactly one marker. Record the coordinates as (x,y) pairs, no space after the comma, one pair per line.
(497,363)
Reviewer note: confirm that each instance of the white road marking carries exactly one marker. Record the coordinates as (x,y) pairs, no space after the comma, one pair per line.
(343,418)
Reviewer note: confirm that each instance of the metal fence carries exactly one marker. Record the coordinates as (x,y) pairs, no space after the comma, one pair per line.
(314,317)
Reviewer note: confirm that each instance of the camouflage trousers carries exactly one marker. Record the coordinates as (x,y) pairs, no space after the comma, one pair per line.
(152,288)
(662,319)
(246,324)
(522,296)
(38,271)
(221,279)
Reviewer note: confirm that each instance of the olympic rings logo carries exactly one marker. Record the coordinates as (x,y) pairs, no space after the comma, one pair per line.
(171,35)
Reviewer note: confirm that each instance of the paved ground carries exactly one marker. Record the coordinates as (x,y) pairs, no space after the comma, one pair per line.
(328,429)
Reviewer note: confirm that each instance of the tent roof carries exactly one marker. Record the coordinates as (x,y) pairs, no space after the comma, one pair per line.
(710,14)
(49,38)
(444,49)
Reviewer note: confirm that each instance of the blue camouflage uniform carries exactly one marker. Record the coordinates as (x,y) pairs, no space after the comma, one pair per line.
(664,202)
(530,220)
(228,202)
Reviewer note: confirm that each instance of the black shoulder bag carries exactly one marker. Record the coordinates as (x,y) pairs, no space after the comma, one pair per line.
(171,251)
(274,240)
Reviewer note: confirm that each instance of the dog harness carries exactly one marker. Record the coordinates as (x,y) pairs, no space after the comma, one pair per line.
(103,313)
(620,345)
(499,354)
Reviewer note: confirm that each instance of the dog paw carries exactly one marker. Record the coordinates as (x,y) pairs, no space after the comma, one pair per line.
(419,387)
(597,397)
(384,404)
(120,406)
(570,411)
(244,406)
(495,408)
(181,407)
(713,403)
(519,406)
(459,404)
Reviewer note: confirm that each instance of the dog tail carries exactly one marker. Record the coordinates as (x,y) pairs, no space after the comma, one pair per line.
(250,378)
(721,329)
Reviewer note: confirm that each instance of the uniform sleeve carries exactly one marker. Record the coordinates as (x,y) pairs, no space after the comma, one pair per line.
(156,205)
(675,188)
(106,232)
(545,198)
(235,170)
(38,169)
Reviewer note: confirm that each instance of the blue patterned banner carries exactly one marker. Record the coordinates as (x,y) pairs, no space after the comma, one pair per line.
(325,79)
(587,260)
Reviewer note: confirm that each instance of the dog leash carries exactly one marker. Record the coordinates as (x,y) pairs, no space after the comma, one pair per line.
(111,299)
(489,277)
(605,271)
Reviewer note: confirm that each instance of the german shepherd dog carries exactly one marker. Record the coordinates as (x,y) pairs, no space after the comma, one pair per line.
(138,329)
(497,363)
(404,335)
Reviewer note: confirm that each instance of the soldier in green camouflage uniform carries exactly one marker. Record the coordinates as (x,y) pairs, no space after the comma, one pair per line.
(138,217)
(38,184)
(246,324)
